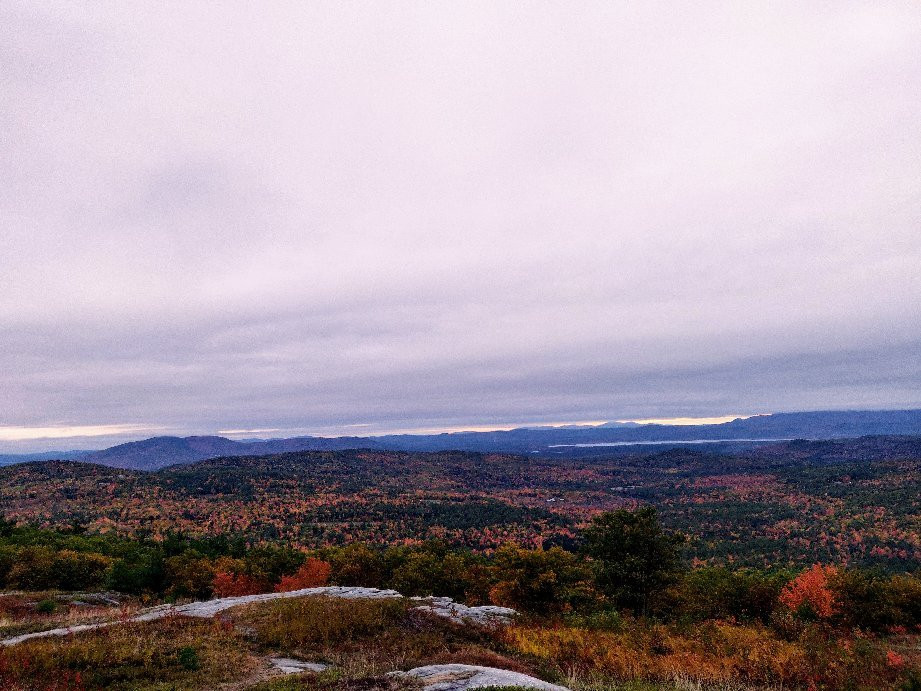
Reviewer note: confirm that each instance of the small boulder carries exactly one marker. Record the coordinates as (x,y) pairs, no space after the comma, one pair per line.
(463,677)
(288,665)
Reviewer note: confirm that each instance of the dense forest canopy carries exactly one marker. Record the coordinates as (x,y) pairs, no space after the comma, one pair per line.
(853,502)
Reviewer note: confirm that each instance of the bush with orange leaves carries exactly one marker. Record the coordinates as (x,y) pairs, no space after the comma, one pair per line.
(809,593)
(893,659)
(313,573)
(229,584)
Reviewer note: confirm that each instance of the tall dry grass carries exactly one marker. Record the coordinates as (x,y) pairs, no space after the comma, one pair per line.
(171,653)
(711,655)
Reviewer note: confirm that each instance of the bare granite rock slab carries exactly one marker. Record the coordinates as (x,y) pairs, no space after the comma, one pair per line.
(484,615)
(15,640)
(288,665)
(208,608)
(463,677)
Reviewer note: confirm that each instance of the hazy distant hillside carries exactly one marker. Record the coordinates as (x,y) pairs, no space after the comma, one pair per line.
(866,448)
(830,424)
(159,452)
(10,458)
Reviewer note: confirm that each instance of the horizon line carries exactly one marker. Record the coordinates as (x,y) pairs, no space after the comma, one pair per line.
(134,431)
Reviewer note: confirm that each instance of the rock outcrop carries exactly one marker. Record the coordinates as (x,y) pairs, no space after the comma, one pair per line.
(463,677)
(484,615)
(440,606)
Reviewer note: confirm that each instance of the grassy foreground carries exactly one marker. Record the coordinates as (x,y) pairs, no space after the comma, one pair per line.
(363,640)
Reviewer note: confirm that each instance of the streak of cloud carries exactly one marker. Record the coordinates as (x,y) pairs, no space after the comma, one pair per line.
(13,434)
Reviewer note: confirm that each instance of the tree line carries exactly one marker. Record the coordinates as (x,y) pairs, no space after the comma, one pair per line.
(625,564)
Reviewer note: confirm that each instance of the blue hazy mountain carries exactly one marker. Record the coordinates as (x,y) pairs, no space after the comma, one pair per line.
(157,452)
(10,458)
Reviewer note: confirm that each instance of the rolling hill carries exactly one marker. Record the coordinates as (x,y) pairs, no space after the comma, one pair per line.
(852,501)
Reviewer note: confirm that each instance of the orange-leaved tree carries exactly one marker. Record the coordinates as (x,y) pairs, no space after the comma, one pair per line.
(312,574)
(809,593)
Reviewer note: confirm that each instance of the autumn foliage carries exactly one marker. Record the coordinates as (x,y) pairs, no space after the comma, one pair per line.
(810,593)
(232,584)
(314,573)
(860,508)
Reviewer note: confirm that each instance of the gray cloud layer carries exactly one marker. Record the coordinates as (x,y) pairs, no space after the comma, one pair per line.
(308,215)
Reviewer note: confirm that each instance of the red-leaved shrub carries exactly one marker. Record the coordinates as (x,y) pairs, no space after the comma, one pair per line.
(312,574)
(232,584)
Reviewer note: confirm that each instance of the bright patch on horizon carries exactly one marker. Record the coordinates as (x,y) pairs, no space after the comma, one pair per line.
(455,429)
(233,432)
(689,420)
(11,433)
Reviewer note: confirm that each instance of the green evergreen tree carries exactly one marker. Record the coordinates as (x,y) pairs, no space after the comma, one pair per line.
(635,559)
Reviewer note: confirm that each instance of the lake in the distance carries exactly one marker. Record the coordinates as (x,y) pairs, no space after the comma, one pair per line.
(667,441)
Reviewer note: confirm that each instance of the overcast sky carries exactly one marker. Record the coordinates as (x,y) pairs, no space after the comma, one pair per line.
(354,217)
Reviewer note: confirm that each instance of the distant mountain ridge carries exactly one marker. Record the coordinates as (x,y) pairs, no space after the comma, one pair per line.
(158,452)
(11,458)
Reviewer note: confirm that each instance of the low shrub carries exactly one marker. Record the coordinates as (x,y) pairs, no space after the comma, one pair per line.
(46,607)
